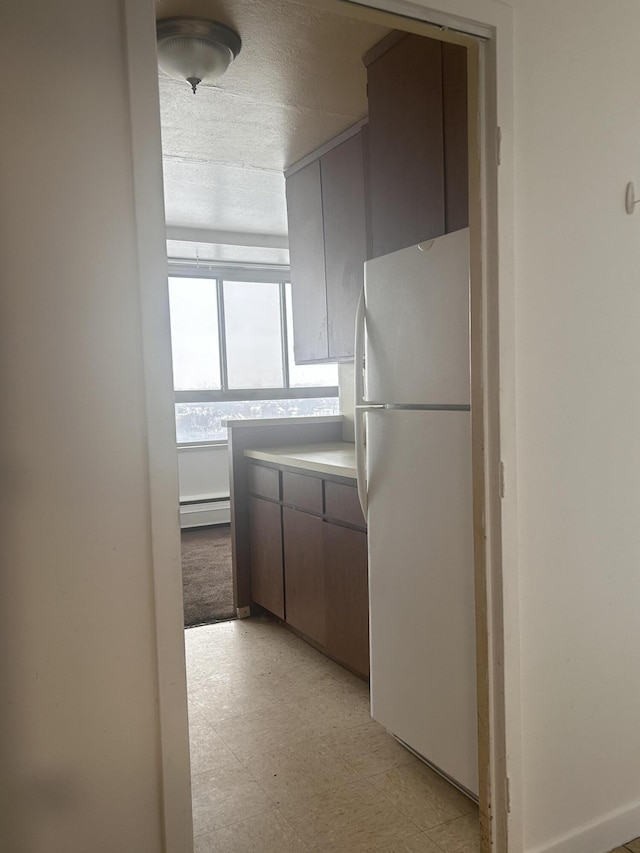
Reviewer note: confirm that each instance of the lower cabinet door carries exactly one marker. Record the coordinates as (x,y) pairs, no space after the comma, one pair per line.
(304,573)
(265,541)
(347,596)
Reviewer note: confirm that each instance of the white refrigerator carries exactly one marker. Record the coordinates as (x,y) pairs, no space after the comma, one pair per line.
(413,446)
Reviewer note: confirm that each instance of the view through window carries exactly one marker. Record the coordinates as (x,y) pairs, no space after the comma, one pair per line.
(232,344)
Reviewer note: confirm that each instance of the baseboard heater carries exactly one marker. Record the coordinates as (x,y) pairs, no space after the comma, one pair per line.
(202,512)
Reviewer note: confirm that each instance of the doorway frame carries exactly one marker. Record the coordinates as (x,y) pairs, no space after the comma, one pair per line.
(493,399)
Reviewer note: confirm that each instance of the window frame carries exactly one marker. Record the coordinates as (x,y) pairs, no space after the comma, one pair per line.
(219,273)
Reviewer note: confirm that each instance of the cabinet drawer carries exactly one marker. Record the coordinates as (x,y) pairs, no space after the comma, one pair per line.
(302,491)
(264,482)
(342,504)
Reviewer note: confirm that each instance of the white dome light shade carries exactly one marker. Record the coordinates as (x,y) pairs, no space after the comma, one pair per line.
(195,50)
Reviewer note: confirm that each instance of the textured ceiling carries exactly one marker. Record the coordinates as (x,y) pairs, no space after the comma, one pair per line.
(218,196)
(297,82)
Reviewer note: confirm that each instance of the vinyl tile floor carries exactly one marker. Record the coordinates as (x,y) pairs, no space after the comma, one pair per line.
(285,756)
(629,847)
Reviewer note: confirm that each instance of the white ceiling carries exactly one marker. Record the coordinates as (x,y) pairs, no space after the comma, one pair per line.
(297,82)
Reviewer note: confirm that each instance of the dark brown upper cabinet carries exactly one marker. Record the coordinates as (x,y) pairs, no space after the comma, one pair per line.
(455,135)
(345,240)
(417,141)
(327,246)
(306,257)
(398,180)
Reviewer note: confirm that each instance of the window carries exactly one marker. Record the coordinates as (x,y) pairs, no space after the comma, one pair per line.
(195,341)
(253,336)
(232,342)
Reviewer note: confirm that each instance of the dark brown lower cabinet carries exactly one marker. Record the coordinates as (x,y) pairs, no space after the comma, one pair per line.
(304,573)
(265,542)
(347,596)
(309,560)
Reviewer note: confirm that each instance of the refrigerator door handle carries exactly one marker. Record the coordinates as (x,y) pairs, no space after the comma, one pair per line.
(360,424)
(359,410)
(361,474)
(358,351)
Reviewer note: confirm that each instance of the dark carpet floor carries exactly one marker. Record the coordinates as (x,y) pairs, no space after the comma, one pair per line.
(207,584)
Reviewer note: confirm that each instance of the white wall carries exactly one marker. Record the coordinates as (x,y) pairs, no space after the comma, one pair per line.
(203,472)
(578,420)
(80,696)
(203,476)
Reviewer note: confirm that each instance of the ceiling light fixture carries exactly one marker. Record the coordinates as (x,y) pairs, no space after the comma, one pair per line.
(195,50)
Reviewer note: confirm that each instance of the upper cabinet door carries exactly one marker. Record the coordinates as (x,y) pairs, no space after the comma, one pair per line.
(405,143)
(345,240)
(327,248)
(306,253)
(456,143)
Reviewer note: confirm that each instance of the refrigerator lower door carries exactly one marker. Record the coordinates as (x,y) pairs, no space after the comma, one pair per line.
(421,585)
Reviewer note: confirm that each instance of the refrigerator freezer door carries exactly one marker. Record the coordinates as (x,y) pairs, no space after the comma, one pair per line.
(417,316)
(421,585)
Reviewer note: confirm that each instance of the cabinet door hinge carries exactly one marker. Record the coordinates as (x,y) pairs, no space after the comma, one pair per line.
(502,488)
(508,795)
(498,145)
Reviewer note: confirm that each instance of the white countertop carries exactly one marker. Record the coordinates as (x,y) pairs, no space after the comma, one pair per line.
(336,457)
(257,422)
